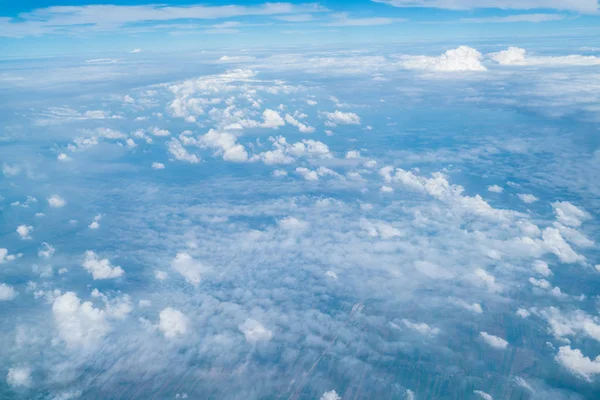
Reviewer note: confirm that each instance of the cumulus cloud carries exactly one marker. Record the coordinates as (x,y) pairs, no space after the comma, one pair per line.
(4,256)
(341,118)
(7,292)
(301,127)
(568,214)
(173,323)
(19,376)
(495,189)
(307,174)
(46,250)
(494,341)
(79,324)
(483,395)
(421,327)
(226,145)
(577,363)
(100,268)
(463,58)
(24,231)
(56,201)
(286,153)
(157,165)
(518,56)
(527,198)
(331,395)
(179,152)
(254,331)
(190,268)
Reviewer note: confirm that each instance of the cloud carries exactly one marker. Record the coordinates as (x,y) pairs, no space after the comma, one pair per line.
(135,51)
(494,341)
(287,153)
(577,363)
(157,165)
(569,214)
(271,120)
(421,327)
(173,323)
(341,118)
(24,231)
(331,395)
(100,268)
(19,376)
(95,224)
(254,331)
(527,198)
(535,18)
(483,395)
(463,58)
(226,145)
(190,268)
(177,150)
(307,174)
(55,201)
(10,170)
(46,250)
(518,56)
(79,324)
(343,19)
(7,292)
(4,256)
(61,20)
(495,189)
(301,127)
(584,6)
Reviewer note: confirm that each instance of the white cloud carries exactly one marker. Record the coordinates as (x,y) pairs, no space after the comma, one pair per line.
(433,270)
(494,341)
(79,324)
(180,153)
(463,58)
(271,120)
(10,170)
(100,268)
(352,154)
(421,327)
(535,18)
(254,331)
(157,165)
(344,19)
(523,313)
(483,395)
(160,132)
(495,189)
(4,256)
(226,145)
(586,6)
(518,56)
(554,242)
(307,174)
(135,51)
(108,133)
(577,363)
(541,267)
(161,275)
(341,118)
(7,292)
(331,395)
(19,376)
(527,198)
(95,224)
(173,323)
(63,157)
(286,153)
(24,231)
(569,214)
(190,268)
(46,250)
(301,127)
(56,201)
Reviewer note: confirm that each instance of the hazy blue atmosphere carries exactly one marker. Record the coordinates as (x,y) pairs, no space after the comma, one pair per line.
(388,199)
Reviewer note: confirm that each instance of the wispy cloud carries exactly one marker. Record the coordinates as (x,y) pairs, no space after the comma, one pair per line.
(583,6)
(515,18)
(343,19)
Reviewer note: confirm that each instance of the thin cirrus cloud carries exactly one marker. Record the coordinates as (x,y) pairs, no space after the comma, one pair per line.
(56,19)
(583,6)
(343,19)
(515,18)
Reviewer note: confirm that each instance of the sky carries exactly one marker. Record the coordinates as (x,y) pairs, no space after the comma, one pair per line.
(33,28)
(338,200)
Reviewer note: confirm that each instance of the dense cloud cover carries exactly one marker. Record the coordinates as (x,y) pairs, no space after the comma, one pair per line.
(323,225)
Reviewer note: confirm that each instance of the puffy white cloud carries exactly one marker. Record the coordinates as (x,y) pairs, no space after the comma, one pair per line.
(79,324)
(577,322)
(587,6)
(352,154)
(108,133)
(331,395)
(24,231)
(517,56)
(523,313)
(301,127)
(341,118)
(56,201)
(173,323)
(483,278)
(494,341)
(100,268)
(568,214)
(307,174)
(541,267)
(161,275)
(190,268)
(10,170)
(474,307)
(176,149)
(226,145)
(7,292)
(286,153)
(292,224)
(421,327)
(483,395)
(95,224)
(46,250)
(433,271)
(527,198)
(19,376)
(157,165)
(254,331)
(63,157)
(577,363)
(380,229)
(4,256)
(554,242)
(463,58)
(160,132)
(271,120)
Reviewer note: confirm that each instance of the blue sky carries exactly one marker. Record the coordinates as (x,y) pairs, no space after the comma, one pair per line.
(38,28)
